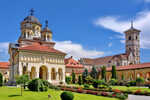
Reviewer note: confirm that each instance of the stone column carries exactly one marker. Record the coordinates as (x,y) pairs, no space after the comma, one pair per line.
(49,74)
(37,72)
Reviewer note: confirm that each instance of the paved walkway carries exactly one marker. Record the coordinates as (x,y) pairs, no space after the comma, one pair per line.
(137,97)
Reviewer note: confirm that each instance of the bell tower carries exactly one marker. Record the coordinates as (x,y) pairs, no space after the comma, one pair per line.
(132,43)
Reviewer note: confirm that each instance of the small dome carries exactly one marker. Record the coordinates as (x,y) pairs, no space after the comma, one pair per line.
(46,29)
(31,19)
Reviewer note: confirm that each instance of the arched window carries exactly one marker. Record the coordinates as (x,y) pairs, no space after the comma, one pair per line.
(136,38)
(129,37)
(53,74)
(24,70)
(60,74)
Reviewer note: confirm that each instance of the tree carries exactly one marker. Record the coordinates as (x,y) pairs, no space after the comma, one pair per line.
(1,79)
(140,81)
(94,73)
(103,72)
(113,71)
(79,80)
(23,80)
(73,77)
(84,75)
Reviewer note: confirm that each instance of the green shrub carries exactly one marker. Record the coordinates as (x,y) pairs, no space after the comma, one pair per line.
(1,79)
(113,82)
(68,79)
(95,83)
(132,83)
(86,86)
(140,81)
(37,85)
(67,96)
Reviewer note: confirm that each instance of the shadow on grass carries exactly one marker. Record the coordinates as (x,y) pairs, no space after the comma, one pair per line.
(14,95)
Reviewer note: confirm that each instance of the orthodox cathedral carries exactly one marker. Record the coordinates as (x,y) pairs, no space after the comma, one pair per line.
(34,54)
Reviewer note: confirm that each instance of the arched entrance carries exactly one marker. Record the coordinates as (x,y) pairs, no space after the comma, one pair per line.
(60,74)
(53,74)
(33,73)
(24,71)
(43,73)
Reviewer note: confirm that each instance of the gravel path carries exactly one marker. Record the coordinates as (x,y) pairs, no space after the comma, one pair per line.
(136,97)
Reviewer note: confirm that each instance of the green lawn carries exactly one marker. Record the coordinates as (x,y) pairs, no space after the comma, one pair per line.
(124,88)
(12,93)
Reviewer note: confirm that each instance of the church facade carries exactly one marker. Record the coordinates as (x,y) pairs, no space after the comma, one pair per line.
(131,55)
(35,55)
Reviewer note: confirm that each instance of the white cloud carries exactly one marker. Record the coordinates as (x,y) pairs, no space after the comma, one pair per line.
(147,0)
(77,50)
(142,22)
(4,51)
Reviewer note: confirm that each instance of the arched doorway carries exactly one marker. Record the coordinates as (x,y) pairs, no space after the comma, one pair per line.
(24,71)
(60,74)
(53,74)
(33,73)
(43,73)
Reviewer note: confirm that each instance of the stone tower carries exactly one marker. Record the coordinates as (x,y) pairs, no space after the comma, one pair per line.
(132,43)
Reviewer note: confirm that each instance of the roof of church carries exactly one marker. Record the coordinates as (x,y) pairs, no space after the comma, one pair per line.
(41,48)
(71,63)
(4,65)
(102,60)
(135,66)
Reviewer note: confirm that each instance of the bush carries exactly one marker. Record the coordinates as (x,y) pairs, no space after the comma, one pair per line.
(67,96)
(95,83)
(132,83)
(140,81)
(1,79)
(37,85)
(86,86)
(68,79)
(113,82)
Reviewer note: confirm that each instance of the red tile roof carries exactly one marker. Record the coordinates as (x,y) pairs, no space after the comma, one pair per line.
(4,65)
(136,66)
(102,60)
(41,48)
(71,63)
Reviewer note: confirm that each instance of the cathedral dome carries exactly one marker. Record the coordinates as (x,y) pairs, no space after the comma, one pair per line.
(31,19)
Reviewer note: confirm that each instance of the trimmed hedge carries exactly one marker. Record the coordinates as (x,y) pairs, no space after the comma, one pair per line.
(67,96)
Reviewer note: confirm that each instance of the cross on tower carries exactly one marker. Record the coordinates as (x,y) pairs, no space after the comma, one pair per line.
(132,24)
(32,12)
(46,22)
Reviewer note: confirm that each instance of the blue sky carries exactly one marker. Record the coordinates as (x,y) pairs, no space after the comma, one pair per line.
(82,28)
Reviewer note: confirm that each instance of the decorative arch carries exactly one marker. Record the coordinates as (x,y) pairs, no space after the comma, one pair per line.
(43,73)
(24,71)
(33,73)
(60,74)
(53,74)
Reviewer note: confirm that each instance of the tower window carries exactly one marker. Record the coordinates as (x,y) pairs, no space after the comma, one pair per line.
(129,37)
(136,37)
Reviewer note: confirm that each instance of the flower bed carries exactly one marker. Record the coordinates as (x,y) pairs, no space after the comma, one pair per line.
(114,93)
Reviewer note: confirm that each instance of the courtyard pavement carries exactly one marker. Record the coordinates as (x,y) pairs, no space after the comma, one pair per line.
(137,97)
